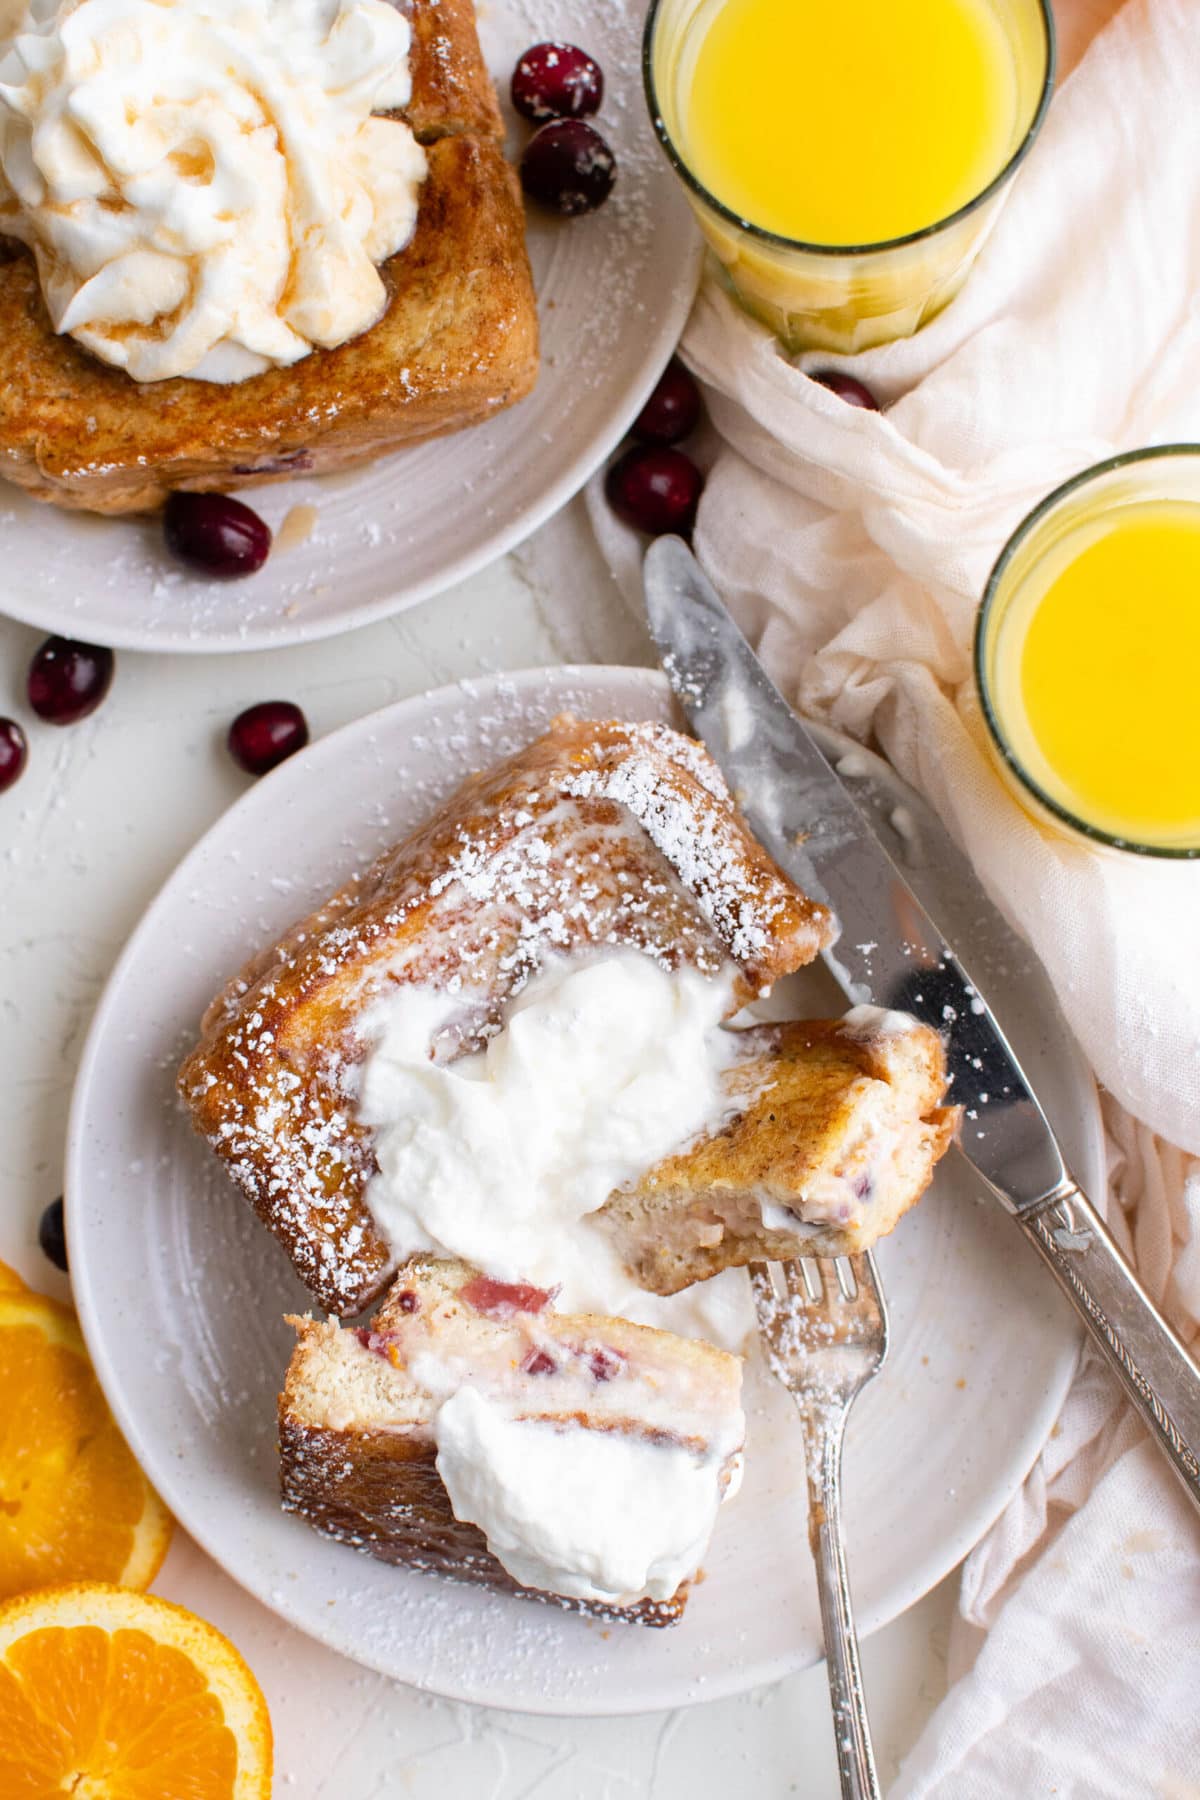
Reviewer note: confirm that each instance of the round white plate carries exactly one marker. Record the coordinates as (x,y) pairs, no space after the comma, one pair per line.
(181,1292)
(613,292)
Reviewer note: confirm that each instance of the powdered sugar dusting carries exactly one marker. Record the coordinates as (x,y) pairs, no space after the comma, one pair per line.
(746,912)
(597,835)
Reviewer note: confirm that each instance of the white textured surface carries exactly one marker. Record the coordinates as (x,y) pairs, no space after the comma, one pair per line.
(99,819)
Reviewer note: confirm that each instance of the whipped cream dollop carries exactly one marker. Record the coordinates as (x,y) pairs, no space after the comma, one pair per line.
(202,182)
(603,1067)
(596,1515)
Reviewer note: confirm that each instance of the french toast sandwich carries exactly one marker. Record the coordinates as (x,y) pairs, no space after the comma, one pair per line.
(359,1453)
(457,342)
(448,1093)
(598,835)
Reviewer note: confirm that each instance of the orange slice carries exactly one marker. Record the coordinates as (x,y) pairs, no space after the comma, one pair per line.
(74,1504)
(112,1695)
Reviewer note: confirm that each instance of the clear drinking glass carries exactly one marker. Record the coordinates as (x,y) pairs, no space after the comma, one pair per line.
(1169,472)
(841,297)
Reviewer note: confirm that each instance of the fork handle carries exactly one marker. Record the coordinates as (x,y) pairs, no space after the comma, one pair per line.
(1143,1352)
(852,1733)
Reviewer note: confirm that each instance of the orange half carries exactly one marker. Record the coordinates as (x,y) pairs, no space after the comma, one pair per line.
(116,1695)
(74,1505)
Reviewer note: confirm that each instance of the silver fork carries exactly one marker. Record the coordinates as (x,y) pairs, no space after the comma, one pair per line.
(825,1332)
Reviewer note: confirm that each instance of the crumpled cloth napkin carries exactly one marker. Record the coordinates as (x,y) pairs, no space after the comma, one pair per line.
(854,547)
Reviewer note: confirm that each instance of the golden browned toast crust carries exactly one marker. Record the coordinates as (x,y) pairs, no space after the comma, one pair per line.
(596,834)
(457,343)
(700,1211)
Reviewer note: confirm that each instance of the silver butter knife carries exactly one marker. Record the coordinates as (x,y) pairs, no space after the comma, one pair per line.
(890,953)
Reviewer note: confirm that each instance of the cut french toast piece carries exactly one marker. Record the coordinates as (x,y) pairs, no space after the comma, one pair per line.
(358,1420)
(842,1128)
(596,835)
(457,343)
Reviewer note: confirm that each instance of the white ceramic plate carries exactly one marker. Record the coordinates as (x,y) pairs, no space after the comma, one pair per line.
(613,289)
(182,1293)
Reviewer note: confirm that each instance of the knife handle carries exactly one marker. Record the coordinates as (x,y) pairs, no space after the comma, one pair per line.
(1143,1352)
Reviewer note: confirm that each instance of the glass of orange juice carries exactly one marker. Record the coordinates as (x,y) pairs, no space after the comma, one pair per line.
(846,160)
(1087,655)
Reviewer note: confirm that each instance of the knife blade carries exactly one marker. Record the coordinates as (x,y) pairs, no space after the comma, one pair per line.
(890,953)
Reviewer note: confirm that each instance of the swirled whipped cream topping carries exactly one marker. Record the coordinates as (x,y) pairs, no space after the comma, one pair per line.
(203,182)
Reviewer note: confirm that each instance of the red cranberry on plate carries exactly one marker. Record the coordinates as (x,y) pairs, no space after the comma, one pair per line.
(13,752)
(557,81)
(68,680)
(216,534)
(52,1234)
(568,168)
(655,490)
(673,409)
(267,734)
(847,388)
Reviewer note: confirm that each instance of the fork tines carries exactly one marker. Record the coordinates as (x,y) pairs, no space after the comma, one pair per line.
(816,1304)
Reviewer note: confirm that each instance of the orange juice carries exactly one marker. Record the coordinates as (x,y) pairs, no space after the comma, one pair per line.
(846,158)
(1094,670)
(850,124)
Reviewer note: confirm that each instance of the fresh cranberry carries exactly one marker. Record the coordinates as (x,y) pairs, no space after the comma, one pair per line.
(673,409)
(267,734)
(52,1234)
(539,1362)
(568,168)
(557,81)
(216,534)
(408,1301)
(655,490)
(13,752)
(853,392)
(68,680)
